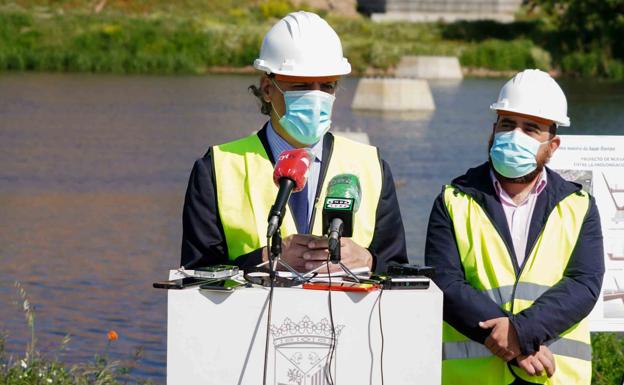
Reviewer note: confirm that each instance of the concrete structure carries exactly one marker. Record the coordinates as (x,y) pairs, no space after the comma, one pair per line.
(448,10)
(384,94)
(429,67)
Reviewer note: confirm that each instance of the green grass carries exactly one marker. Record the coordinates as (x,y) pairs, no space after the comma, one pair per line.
(134,44)
(608,358)
(195,36)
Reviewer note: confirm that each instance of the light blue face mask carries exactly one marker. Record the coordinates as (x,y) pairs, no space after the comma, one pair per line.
(514,153)
(308,114)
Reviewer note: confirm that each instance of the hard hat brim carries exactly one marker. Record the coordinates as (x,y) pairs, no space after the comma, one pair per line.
(297,71)
(560,121)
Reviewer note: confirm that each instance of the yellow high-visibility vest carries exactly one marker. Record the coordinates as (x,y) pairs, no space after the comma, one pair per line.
(489,268)
(246,192)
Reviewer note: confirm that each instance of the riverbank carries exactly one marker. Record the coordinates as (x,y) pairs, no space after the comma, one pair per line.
(198,39)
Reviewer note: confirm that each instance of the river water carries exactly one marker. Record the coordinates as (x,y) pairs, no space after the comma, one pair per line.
(94,169)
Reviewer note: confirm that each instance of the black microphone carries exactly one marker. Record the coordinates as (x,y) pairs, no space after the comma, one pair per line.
(341,202)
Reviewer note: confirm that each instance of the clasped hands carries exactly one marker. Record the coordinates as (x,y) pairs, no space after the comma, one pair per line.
(503,342)
(305,252)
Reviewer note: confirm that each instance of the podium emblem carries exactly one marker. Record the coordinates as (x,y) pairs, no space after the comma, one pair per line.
(302,352)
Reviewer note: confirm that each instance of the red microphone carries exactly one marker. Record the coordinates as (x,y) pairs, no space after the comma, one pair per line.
(294,165)
(290,174)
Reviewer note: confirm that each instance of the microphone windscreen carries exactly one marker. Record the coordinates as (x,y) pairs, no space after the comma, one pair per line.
(294,165)
(345,186)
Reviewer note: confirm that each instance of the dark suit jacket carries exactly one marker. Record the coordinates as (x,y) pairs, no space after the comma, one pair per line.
(560,307)
(203,239)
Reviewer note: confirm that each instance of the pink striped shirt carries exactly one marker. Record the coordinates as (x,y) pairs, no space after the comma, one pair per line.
(519,215)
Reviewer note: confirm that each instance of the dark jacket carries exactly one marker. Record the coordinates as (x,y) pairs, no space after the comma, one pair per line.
(563,305)
(203,239)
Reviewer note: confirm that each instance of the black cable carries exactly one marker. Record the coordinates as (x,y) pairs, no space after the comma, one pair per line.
(382,336)
(269,311)
(332,345)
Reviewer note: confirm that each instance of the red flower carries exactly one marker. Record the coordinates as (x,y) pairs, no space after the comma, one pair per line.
(112,335)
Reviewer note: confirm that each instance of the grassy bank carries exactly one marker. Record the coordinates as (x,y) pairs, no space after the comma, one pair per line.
(197,37)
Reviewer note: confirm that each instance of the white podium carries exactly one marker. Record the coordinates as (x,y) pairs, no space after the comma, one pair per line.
(219,338)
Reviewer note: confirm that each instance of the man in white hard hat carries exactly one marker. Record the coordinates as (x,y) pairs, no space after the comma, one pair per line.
(518,252)
(231,189)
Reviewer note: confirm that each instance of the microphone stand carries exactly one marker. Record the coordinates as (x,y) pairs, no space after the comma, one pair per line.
(275,259)
(334,254)
(276,216)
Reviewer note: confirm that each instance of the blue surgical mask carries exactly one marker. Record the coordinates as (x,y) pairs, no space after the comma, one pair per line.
(308,114)
(514,154)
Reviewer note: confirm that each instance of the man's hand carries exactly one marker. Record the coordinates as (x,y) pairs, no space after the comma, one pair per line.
(503,340)
(293,248)
(535,364)
(352,255)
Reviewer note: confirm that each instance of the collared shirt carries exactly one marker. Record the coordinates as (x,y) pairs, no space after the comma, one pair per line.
(519,215)
(279,145)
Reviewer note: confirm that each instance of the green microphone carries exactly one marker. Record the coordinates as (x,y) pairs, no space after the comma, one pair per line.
(341,202)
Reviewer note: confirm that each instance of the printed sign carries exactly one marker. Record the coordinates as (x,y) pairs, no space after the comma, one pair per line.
(597,162)
(338,203)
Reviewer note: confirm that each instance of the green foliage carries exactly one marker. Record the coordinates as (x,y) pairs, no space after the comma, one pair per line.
(581,37)
(500,55)
(480,30)
(585,34)
(608,358)
(275,8)
(87,43)
(370,45)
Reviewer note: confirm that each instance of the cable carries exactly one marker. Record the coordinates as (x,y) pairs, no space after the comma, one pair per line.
(332,345)
(270,309)
(382,335)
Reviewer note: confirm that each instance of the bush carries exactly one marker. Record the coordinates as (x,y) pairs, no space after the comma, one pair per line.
(480,30)
(500,55)
(608,358)
(591,65)
(86,43)
(275,8)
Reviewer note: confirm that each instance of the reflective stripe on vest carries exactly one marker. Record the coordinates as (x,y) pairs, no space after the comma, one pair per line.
(489,268)
(473,349)
(245,191)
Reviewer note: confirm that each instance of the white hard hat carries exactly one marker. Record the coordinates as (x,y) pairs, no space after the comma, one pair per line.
(302,44)
(534,93)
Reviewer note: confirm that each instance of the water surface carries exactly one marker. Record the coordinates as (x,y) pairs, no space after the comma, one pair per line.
(94,169)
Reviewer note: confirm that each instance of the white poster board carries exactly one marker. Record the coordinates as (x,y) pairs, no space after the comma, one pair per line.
(219,338)
(597,162)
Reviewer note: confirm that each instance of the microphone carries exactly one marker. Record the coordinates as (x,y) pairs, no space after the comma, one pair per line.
(290,175)
(341,202)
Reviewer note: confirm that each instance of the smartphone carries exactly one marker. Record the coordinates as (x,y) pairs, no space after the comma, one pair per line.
(180,283)
(216,271)
(222,285)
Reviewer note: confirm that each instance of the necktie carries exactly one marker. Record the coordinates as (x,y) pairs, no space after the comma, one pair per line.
(299,208)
